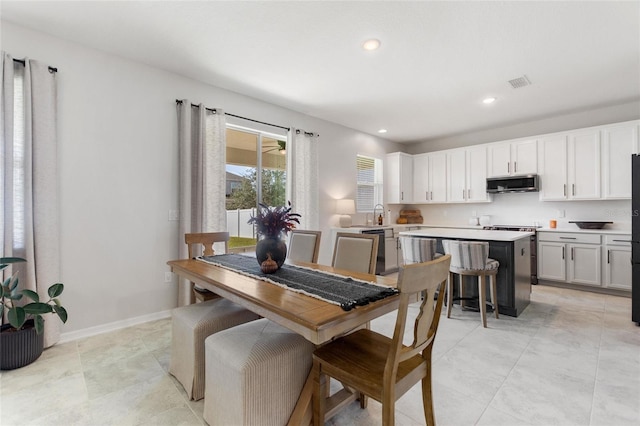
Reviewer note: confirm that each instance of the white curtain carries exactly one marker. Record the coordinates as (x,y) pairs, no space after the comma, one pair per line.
(202,146)
(29,187)
(302,176)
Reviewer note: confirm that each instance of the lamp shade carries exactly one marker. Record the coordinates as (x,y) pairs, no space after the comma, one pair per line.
(345,206)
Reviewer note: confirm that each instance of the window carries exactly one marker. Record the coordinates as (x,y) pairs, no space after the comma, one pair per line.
(256,173)
(369,183)
(256,168)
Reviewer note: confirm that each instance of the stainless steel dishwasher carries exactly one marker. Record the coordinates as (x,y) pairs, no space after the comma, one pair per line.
(385,236)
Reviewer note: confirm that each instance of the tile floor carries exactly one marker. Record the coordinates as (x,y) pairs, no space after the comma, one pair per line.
(571,358)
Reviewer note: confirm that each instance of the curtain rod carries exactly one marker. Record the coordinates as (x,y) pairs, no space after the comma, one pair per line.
(51,69)
(238,116)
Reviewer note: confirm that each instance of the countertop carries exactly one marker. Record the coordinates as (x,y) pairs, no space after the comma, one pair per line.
(468,234)
(587,231)
(423,226)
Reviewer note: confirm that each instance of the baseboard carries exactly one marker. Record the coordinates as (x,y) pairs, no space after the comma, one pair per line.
(113,326)
(592,289)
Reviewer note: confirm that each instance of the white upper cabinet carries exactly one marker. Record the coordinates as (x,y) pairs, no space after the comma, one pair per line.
(618,143)
(467,175)
(570,166)
(430,178)
(553,168)
(584,165)
(513,158)
(398,177)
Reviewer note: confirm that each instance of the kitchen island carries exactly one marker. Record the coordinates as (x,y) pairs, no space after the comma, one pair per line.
(510,248)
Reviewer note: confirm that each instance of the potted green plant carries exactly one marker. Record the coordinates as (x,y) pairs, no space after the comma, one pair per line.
(21,339)
(271,223)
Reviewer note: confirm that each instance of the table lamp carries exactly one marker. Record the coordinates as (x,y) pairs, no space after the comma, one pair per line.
(345,208)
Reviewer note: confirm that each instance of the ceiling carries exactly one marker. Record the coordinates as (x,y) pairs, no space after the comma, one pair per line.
(437,61)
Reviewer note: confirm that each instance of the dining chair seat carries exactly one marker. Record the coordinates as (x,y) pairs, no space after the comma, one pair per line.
(254,374)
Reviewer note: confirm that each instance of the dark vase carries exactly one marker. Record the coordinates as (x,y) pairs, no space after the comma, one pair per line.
(271,246)
(19,348)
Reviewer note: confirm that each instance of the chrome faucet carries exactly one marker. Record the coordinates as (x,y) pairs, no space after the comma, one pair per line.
(375,217)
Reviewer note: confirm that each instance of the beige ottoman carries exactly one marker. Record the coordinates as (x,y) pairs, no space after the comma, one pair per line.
(190,325)
(255,373)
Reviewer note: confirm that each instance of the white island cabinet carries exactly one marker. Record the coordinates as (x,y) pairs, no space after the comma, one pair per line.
(511,249)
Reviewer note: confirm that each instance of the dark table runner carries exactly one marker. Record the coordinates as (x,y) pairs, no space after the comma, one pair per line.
(339,290)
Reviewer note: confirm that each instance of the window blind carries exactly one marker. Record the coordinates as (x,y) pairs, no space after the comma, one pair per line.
(369,183)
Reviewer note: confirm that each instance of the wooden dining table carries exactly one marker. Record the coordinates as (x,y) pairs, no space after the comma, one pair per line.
(316,320)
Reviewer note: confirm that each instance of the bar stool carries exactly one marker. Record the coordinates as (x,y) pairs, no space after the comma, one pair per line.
(472,258)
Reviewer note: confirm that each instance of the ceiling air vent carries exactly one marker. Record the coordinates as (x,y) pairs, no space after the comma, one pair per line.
(519,82)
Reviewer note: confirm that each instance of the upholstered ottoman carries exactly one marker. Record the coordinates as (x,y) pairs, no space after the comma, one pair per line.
(190,326)
(255,373)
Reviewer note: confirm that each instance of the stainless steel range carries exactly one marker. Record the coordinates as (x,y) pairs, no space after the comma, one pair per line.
(533,242)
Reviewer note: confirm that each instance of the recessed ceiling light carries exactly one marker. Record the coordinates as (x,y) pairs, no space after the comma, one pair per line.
(488,100)
(371,44)
(382,131)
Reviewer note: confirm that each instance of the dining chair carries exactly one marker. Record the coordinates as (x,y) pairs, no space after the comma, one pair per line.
(355,252)
(304,246)
(192,324)
(472,258)
(383,368)
(201,244)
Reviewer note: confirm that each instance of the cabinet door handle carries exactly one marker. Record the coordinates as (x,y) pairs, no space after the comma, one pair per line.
(567,238)
(623,241)
(508,167)
(521,252)
(468,194)
(402,195)
(463,197)
(431,195)
(564,189)
(573,189)
(515,167)
(426,195)
(571,253)
(562,253)
(608,256)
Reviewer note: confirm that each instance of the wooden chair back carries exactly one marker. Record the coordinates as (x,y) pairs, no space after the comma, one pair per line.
(304,245)
(355,252)
(383,368)
(201,244)
(430,278)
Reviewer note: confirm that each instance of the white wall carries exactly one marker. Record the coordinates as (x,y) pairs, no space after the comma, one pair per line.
(118,160)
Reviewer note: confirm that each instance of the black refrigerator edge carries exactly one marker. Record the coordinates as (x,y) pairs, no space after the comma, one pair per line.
(635,238)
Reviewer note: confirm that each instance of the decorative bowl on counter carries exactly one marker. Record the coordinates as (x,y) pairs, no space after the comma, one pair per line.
(590,224)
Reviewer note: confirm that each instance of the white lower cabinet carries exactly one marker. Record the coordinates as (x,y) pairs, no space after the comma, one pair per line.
(590,259)
(570,257)
(616,258)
